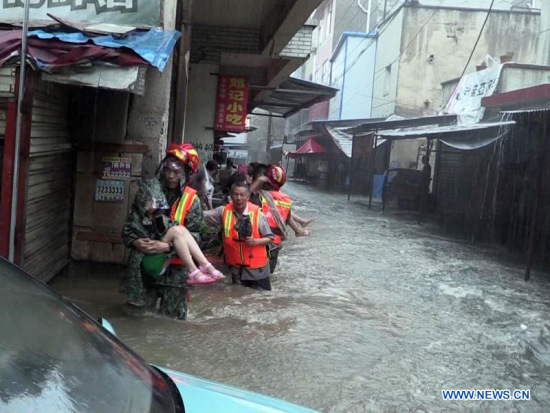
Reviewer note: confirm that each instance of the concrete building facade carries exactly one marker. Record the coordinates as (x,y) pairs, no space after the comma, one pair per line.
(352,73)
(265,41)
(424,46)
(91,144)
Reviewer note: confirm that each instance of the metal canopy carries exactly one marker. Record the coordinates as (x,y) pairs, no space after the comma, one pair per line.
(345,123)
(462,137)
(294,95)
(447,131)
(375,124)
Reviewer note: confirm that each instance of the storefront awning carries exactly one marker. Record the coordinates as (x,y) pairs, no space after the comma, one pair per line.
(395,121)
(294,95)
(55,50)
(310,147)
(129,79)
(464,137)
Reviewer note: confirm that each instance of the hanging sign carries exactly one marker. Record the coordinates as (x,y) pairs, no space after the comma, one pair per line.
(128,12)
(231,103)
(108,190)
(117,168)
(237,154)
(466,98)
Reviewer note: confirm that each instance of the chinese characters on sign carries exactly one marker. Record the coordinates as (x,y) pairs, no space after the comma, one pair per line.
(107,190)
(466,98)
(112,186)
(134,12)
(100,5)
(117,168)
(231,104)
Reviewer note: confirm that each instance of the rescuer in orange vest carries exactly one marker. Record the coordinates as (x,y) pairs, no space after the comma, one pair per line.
(246,235)
(159,226)
(268,180)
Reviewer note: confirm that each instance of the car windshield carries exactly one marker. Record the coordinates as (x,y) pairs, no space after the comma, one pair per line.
(54,358)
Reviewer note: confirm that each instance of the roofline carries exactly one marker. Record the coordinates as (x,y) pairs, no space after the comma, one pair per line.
(343,38)
(472,9)
(507,65)
(438,131)
(336,122)
(518,96)
(370,127)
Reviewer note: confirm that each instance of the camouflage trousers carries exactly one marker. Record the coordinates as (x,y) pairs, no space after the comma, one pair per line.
(167,296)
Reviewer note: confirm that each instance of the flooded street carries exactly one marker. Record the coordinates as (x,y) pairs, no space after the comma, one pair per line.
(370,313)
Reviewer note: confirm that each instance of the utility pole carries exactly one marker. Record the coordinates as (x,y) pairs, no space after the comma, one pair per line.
(19,125)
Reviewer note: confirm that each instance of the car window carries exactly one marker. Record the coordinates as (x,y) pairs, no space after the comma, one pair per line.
(53,357)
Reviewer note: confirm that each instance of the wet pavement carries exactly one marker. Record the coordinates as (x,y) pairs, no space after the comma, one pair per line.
(370,313)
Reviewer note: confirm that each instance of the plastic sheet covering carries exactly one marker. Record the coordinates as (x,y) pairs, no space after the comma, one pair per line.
(155,45)
(344,139)
(464,137)
(471,143)
(55,55)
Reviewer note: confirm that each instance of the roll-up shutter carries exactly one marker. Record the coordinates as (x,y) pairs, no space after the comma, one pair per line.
(448,186)
(50,184)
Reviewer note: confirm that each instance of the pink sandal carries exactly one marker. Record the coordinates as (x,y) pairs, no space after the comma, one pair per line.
(198,277)
(212,272)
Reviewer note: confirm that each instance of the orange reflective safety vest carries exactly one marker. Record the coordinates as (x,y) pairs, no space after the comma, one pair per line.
(183,205)
(180,210)
(284,205)
(237,253)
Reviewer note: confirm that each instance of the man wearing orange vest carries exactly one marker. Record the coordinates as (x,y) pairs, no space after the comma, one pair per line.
(246,235)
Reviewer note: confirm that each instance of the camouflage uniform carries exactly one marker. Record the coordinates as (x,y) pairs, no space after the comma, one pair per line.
(171,287)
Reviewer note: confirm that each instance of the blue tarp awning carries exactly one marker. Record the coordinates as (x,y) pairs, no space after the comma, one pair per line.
(154,46)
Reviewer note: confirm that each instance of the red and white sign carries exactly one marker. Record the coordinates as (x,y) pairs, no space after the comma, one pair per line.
(231,104)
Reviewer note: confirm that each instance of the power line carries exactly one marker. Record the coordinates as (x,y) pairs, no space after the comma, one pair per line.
(395,60)
(478,37)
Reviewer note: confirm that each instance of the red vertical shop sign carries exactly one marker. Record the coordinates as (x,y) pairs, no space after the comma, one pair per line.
(231,104)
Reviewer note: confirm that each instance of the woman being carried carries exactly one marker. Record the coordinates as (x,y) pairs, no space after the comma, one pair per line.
(166,239)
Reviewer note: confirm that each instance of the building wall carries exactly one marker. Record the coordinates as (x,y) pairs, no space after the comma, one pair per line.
(201,108)
(349,18)
(543,43)
(387,68)
(112,117)
(353,74)
(208,42)
(447,36)
(300,45)
(426,46)
(325,39)
(519,77)
(149,114)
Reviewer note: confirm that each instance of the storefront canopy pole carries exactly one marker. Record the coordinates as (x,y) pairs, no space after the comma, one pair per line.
(19,124)
(373,160)
(350,170)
